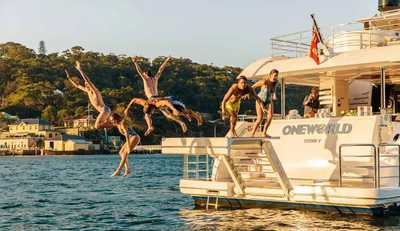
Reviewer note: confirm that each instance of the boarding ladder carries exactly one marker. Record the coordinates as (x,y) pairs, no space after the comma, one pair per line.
(251,163)
(257,165)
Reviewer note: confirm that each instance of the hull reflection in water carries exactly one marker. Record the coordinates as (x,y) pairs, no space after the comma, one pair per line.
(276,219)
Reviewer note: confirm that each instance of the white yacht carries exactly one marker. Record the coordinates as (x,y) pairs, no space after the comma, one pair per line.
(340,161)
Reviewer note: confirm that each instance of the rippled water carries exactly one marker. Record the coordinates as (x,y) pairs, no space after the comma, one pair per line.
(77,193)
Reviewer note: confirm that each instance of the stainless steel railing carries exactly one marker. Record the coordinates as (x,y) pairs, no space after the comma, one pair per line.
(197,167)
(376,161)
(390,156)
(339,38)
(358,156)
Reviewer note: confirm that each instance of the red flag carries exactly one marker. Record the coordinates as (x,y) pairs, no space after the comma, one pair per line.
(314,47)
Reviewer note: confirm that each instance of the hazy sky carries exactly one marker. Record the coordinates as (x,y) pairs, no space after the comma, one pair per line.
(223,32)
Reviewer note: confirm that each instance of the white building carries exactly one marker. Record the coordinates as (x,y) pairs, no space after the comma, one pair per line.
(69,143)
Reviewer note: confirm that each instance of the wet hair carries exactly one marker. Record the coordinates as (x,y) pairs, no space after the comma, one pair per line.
(274,71)
(116,117)
(241,77)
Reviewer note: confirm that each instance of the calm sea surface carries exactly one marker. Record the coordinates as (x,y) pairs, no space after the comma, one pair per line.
(77,193)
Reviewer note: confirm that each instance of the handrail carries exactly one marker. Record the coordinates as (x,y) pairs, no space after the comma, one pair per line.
(379,153)
(358,145)
(376,155)
(196,166)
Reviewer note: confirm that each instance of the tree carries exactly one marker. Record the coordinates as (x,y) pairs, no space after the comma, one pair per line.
(30,86)
(50,113)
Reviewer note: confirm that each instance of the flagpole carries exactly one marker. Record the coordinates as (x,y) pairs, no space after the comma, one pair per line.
(315,25)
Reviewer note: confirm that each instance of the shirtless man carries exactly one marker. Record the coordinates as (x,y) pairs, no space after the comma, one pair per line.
(268,96)
(150,82)
(95,97)
(231,102)
(169,106)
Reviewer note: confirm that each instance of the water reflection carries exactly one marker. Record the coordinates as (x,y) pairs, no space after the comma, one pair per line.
(273,219)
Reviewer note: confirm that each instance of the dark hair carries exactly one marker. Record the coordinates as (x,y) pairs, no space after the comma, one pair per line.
(241,77)
(274,71)
(116,117)
(314,88)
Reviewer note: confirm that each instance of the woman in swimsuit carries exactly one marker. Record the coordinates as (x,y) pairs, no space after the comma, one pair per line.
(267,95)
(131,140)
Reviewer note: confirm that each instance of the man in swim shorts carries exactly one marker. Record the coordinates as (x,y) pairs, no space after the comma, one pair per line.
(230,105)
(169,106)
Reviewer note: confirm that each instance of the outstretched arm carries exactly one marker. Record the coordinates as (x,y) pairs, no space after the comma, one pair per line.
(162,67)
(84,76)
(258,99)
(138,69)
(258,84)
(126,111)
(73,82)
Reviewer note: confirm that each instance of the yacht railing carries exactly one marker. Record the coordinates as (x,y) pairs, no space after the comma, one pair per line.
(196,166)
(340,38)
(377,155)
(397,156)
(374,156)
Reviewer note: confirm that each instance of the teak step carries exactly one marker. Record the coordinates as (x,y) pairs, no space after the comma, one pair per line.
(270,192)
(263,184)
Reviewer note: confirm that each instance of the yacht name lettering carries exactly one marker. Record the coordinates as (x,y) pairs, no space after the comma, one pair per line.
(310,129)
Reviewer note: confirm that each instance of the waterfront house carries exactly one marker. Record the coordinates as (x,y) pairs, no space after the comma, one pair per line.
(63,143)
(35,126)
(86,122)
(20,145)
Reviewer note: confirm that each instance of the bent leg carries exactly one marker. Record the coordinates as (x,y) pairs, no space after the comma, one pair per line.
(168,104)
(195,115)
(133,141)
(260,115)
(269,119)
(102,119)
(176,119)
(122,153)
(149,122)
(233,120)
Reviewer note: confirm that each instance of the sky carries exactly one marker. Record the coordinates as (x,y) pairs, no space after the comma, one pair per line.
(219,32)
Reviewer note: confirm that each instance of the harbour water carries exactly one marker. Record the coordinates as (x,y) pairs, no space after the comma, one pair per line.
(77,193)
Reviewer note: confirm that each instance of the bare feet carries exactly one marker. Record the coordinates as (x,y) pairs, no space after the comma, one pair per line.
(149,131)
(116,173)
(267,136)
(127,172)
(199,119)
(184,127)
(231,134)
